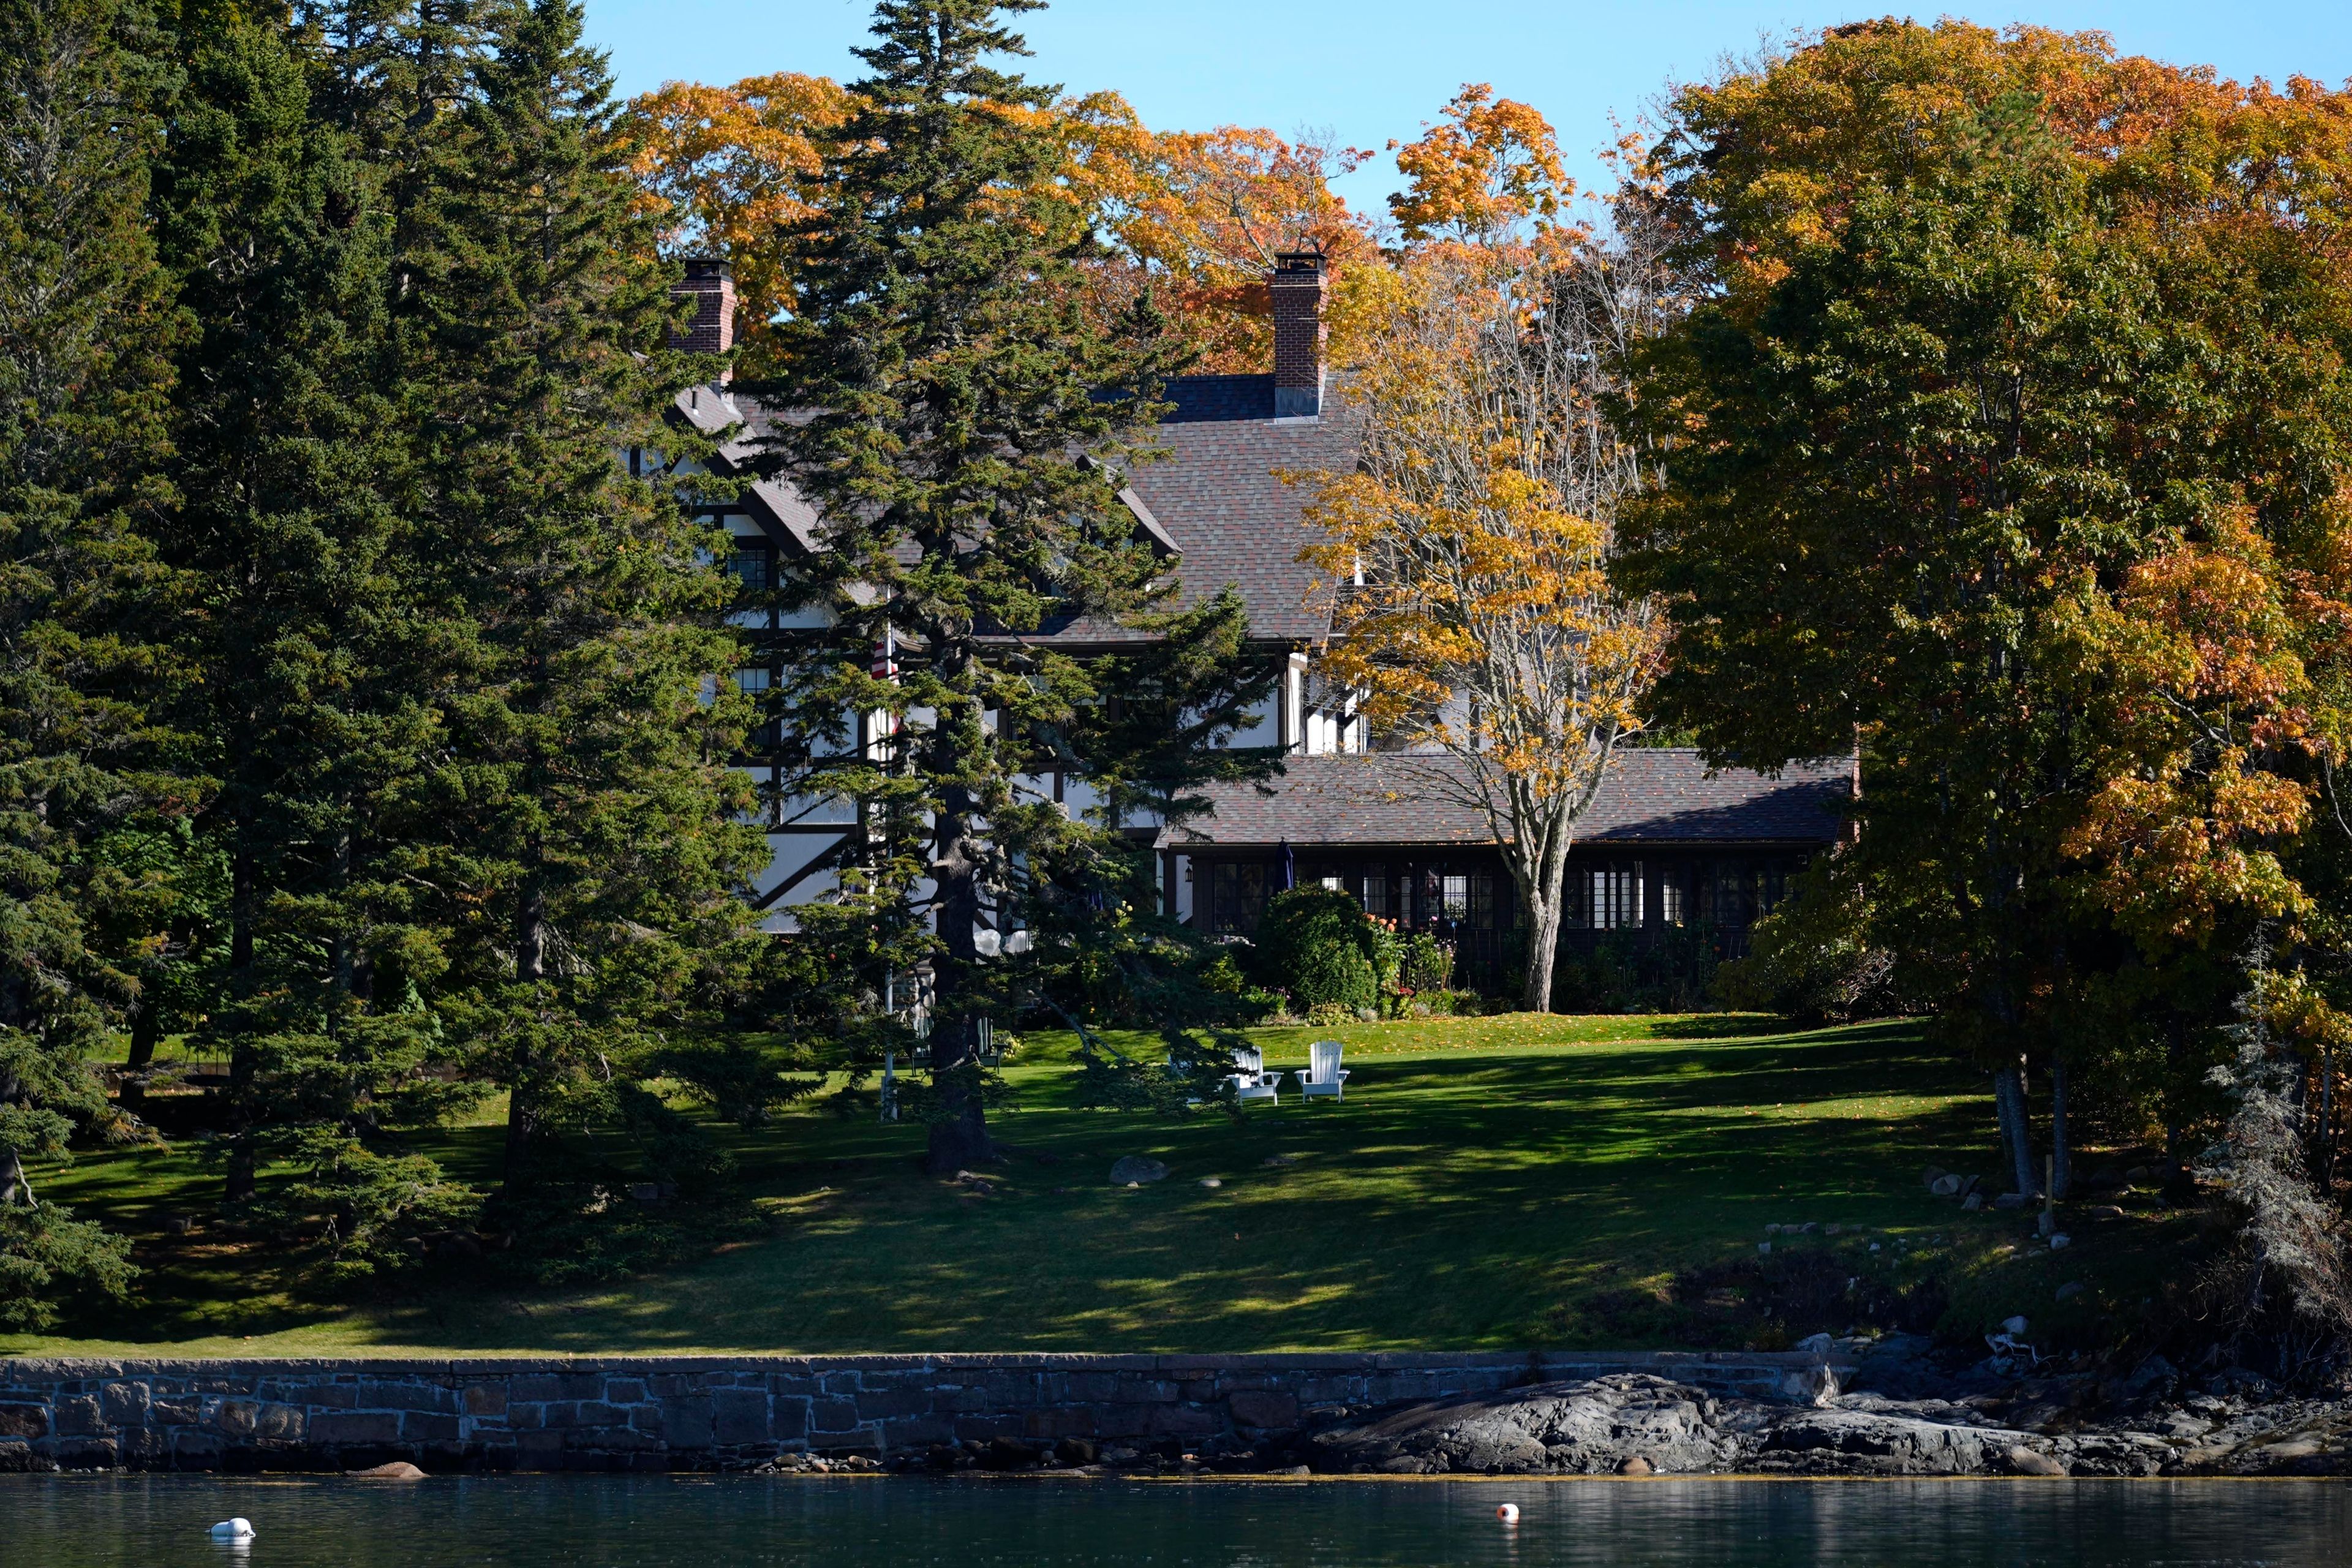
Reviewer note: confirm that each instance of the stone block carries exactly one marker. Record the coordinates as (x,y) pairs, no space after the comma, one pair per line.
(1058,1421)
(625,1390)
(738,1415)
(78,1417)
(1264,1409)
(123,1403)
(583,1385)
(980,1428)
(791,1420)
(597,1413)
(833,1416)
(883,1403)
(685,1422)
(408,1395)
(671,1384)
(333,1428)
(427,1427)
(1185,1421)
(234,1418)
(535,1388)
(177,1410)
(1136,1389)
(25,1421)
(281,1423)
(486,1399)
(1091,1386)
(838,1383)
(338,1394)
(1127,1422)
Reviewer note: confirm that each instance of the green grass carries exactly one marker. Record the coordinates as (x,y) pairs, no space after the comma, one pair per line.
(1483,1184)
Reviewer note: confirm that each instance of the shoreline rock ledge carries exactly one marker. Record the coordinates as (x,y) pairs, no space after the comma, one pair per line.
(1637,1424)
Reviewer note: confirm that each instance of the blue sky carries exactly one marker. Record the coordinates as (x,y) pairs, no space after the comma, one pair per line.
(1372,69)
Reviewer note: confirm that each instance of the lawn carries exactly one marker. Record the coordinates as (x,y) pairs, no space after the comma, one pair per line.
(1494,1183)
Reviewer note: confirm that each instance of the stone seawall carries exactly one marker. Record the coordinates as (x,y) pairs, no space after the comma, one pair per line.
(696,1413)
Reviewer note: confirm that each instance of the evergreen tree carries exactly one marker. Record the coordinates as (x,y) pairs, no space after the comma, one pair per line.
(85,319)
(969,428)
(600,833)
(322,656)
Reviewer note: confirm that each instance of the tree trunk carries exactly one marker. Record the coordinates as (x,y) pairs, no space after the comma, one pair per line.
(959,1138)
(522,1093)
(2176,1052)
(2009,1095)
(1543,954)
(240,1180)
(1543,887)
(14,1190)
(2062,1151)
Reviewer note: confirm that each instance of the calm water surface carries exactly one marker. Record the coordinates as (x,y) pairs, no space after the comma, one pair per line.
(661,1522)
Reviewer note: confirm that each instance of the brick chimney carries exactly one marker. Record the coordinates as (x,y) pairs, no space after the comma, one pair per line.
(1296,287)
(712,284)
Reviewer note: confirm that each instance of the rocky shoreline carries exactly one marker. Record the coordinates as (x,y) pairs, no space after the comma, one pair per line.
(2156,1423)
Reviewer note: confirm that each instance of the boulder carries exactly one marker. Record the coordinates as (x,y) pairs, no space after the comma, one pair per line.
(2026,1462)
(1944,1187)
(398,1471)
(1864,1442)
(1136,1169)
(1573,1428)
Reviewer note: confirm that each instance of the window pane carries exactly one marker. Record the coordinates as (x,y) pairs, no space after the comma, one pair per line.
(1456,898)
(748,565)
(1376,891)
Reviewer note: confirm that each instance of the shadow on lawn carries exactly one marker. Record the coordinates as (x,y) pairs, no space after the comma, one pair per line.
(1444,1202)
(1450,1200)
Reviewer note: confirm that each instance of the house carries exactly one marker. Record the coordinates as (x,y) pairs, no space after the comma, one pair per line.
(1667,844)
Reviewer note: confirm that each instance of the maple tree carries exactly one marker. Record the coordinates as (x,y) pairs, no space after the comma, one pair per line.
(728,170)
(1468,553)
(1487,170)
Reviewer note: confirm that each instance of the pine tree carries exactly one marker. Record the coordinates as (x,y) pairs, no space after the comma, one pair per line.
(321,653)
(600,831)
(85,319)
(970,426)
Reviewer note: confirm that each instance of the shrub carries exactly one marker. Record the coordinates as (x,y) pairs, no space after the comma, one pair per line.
(1426,964)
(1316,944)
(1812,959)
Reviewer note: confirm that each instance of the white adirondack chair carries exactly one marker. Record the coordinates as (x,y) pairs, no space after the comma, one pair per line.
(1249,1078)
(1324,1075)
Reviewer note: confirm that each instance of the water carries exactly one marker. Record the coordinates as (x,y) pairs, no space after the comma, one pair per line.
(662,1522)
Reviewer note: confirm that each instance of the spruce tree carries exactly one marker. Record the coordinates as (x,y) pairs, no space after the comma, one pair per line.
(321,651)
(598,829)
(85,321)
(968,428)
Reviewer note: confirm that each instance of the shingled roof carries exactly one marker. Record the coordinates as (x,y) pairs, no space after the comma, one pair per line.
(1653,796)
(1216,501)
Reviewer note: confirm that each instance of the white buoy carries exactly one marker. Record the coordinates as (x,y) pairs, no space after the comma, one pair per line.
(233,1529)
(1508,1513)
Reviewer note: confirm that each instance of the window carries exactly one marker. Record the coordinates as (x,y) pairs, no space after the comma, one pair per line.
(1614,893)
(1376,891)
(752,682)
(1334,883)
(749,564)
(1455,901)
(1670,899)
(1236,897)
